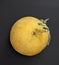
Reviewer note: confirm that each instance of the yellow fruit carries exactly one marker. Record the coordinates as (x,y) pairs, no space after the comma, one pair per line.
(29,36)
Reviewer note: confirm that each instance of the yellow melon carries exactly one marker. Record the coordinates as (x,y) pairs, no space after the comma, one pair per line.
(29,36)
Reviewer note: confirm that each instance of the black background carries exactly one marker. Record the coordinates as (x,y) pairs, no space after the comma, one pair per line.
(12,10)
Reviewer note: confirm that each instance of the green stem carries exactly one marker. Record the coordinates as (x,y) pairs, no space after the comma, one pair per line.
(44,21)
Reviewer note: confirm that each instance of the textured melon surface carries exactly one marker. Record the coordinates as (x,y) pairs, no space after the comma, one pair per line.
(29,36)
